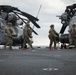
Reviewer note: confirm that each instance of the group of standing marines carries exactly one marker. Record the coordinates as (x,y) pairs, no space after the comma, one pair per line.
(27,35)
(53,36)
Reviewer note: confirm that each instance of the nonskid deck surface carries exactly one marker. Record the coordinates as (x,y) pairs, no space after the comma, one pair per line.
(40,61)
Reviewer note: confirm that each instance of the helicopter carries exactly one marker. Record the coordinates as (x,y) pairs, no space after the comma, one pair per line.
(68,18)
(17,18)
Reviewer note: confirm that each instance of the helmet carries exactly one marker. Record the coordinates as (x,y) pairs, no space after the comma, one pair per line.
(9,23)
(52,25)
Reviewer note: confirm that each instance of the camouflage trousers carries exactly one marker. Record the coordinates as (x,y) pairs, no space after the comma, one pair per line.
(52,40)
(27,41)
(9,43)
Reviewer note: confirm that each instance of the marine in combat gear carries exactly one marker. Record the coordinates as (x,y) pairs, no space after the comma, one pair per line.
(9,36)
(27,33)
(73,34)
(52,36)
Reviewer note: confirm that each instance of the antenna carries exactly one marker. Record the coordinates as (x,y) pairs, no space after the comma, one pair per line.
(39,11)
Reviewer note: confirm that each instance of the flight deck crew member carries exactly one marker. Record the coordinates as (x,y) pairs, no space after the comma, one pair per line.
(73,34)
(52,36)
(27,33)
(9,36)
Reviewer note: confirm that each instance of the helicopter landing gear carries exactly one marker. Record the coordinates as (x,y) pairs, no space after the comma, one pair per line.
(63,46)
(71,46)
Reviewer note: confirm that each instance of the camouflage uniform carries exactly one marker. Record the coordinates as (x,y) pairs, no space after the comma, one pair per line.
(27,35)
(9,32)
(73,34)
(52,36)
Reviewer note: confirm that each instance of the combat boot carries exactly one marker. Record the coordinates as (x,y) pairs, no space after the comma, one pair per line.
(23,48)
(10,48)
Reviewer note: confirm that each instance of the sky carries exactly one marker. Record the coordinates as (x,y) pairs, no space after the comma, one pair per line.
(47,15)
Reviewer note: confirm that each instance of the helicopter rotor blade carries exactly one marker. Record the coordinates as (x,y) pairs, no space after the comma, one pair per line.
(33,31)
(6,8)
(63,29)
(25,23)
(31,18)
